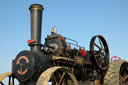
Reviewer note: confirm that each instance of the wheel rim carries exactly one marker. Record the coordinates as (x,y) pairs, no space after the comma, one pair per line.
(10,78)
(100,52)
(124,74)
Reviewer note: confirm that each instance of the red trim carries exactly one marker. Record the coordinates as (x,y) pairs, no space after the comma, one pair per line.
(83,52)
(31,41)
(22,57)
(115,58)
(22,73)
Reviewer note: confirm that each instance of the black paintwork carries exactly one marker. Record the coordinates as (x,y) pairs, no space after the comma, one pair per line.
(36,22)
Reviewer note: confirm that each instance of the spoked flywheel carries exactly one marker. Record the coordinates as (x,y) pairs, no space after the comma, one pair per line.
(57,76)
(10,79)
(117,73)
(100,52)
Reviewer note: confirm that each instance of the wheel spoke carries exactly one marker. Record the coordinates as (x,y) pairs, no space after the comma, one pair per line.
(2,83)
(105,48)
(100,61)
(101,44)
(125,77)
(59,78)
(97,46)
(105,59)
(9,80)
(62,77)
(63,83)
(54,79)
(103,55)
(98,54)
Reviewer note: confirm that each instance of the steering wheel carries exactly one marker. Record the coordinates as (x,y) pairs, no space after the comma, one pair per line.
(99,52)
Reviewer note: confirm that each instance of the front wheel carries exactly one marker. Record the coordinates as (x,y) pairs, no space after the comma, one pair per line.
(57,76)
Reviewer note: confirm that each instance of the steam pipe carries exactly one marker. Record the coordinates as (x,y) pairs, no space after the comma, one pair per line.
(36,21)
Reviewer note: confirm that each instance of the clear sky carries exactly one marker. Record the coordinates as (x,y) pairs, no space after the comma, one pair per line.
(76,19)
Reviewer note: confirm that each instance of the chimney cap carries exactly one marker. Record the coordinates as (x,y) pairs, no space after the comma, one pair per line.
(36,6)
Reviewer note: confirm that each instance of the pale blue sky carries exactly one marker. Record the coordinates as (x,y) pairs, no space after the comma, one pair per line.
(76,19)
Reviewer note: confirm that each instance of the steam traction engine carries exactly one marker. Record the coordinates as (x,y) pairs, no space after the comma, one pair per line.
(63,63)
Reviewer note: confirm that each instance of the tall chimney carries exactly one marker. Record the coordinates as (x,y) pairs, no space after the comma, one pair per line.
(36,21)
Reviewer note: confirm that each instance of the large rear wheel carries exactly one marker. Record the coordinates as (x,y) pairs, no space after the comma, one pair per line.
(117,73)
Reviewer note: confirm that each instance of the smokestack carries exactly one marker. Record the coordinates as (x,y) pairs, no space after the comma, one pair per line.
(36,21)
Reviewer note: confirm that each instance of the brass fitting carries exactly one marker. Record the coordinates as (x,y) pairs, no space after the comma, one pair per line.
(36,6)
